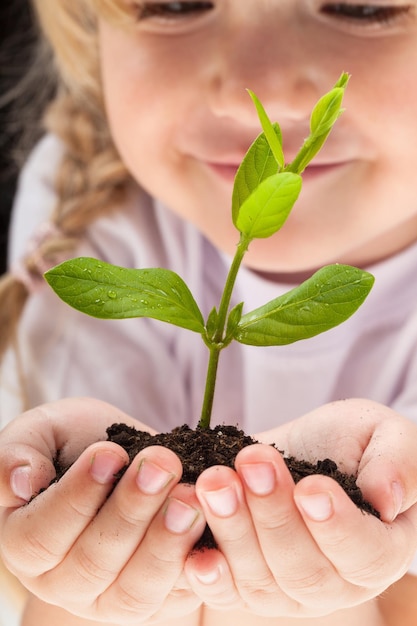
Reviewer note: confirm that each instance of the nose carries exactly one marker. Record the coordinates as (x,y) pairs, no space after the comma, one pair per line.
(276,63)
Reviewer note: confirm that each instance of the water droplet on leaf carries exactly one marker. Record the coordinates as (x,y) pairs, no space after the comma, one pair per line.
(112,295)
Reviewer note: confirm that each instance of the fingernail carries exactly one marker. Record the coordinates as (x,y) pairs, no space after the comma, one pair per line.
(151,478)
(21,483)
(209,578)
(222,502)
(317,506)
(397,499)
(260,478)
(105,465)
(179,517)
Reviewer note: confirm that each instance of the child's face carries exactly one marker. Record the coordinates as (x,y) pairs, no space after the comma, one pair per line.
(180,116)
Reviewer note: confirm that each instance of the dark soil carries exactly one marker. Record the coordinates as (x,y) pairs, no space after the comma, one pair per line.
(202,448)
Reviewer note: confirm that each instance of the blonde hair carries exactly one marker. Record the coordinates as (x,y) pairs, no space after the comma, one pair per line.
(91,178)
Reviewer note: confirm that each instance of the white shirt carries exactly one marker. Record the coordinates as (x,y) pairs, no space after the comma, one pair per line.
(156,372)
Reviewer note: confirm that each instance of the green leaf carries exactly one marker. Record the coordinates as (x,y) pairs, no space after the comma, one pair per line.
(212,323)
(111,292)
(233,320)
(324,116)
(274,139)
(323,301)
(258,164)
(264,212)
(343,80)
(326,112)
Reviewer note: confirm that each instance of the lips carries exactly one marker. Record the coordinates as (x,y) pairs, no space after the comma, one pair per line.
(317,170)
(226,171)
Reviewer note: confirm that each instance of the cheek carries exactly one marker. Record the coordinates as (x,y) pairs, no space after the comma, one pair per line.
(383,102)
(137,125)
(143,122)
(129,81)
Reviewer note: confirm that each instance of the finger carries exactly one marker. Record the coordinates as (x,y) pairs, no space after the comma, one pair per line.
(38,536)
(221,495)
(209,576)
(24,474)
(297,564)
(366,439)
(365,551)
(108,543)
(151,573)
(30,443)
(339,430)
(389,464)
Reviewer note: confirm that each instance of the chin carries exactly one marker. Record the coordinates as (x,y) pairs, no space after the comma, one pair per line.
(260,259)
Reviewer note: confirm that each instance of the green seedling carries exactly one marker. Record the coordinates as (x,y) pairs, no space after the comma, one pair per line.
(265,191)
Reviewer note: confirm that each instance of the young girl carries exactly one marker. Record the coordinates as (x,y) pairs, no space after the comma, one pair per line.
(150,122)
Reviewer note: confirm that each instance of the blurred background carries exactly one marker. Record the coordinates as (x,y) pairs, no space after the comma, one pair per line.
(17,38)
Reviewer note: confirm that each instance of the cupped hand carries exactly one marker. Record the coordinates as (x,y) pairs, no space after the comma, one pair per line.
(103,552)
(306,550)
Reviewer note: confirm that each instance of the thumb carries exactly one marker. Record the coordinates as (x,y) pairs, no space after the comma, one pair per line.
(387,473)
(24,473)
(30,443)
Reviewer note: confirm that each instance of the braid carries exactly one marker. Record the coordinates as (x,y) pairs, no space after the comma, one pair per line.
(91,179)
(13,295)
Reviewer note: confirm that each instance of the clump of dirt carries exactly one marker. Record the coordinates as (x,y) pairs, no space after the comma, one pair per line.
(201,448)
(205,447)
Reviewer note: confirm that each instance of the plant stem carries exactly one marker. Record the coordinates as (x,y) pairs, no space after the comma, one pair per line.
(210,386)
(216,344)
(241,250)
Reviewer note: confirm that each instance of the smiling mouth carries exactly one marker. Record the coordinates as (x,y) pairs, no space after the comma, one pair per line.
(314,171)
(226,171)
